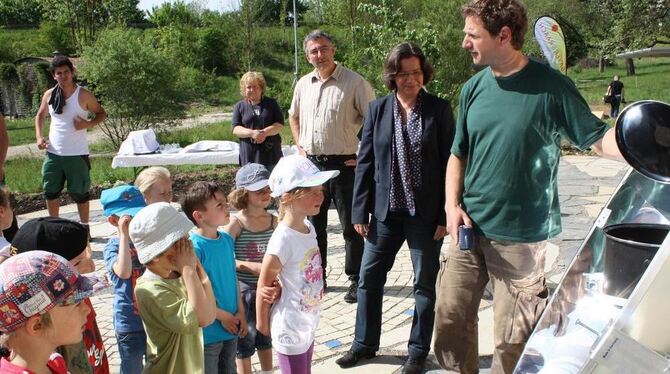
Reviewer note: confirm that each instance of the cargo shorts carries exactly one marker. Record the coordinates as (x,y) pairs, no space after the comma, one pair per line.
(73,170)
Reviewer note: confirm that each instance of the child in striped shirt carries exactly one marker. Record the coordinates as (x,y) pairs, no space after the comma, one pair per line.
(251,228)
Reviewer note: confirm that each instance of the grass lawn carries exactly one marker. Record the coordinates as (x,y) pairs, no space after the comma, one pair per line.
(24,174)
(22,130)
(649,83)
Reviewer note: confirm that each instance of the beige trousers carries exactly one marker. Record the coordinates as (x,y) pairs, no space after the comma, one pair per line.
(519,297)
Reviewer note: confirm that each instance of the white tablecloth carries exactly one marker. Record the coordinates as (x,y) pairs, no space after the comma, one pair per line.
(181,158)
(228,157)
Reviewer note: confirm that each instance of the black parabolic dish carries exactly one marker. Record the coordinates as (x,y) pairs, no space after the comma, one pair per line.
(643,137)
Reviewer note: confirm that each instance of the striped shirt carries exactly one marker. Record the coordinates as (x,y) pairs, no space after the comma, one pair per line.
(250,246)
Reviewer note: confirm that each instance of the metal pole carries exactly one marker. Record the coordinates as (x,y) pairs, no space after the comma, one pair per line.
(295,42)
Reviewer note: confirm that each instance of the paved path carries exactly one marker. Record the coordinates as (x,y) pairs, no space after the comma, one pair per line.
(585,184)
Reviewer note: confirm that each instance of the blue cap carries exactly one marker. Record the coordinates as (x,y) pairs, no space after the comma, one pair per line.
(252,177)
(122,200)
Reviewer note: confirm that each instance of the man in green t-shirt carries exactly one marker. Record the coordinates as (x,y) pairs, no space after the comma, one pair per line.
(502,180)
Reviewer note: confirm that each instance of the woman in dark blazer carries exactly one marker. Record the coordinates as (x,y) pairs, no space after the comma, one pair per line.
(399,180)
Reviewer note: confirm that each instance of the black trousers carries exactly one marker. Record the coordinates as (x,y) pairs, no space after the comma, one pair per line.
(340,191)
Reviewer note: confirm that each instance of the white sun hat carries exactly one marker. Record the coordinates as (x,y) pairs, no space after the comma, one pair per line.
(155,228)
(297,171)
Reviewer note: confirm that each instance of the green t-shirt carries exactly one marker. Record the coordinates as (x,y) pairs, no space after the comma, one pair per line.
(510,128)
(174,338)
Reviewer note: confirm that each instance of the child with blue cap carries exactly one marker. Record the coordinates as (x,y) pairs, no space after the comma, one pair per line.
(120,204)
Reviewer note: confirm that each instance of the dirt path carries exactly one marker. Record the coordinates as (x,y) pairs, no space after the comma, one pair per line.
(95,135)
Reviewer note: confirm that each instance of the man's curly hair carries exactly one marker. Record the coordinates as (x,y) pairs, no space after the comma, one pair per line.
(495,14)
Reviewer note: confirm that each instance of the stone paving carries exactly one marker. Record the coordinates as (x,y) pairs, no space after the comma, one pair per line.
(585,185)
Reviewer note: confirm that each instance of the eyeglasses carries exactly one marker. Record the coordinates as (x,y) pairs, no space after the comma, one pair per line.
(405,75)
(324,49)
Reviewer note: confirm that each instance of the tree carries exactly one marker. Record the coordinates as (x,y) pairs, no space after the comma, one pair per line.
(20,13)
(82,18)
(641,23)
(85,17)
(177,13)
(134,82)
(123,12)
(382,25)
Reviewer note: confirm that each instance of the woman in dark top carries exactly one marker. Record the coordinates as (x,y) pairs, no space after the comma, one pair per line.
(615,91)
(257,121)
(399,197)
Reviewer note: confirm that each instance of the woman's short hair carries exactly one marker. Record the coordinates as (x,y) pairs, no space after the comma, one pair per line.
(149,176)
(251,77)
(398,53)
(496,14)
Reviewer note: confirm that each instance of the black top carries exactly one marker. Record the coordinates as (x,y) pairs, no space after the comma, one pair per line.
(617,87)
(257,117)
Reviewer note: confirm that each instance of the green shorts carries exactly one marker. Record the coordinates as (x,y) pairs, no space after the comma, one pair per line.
(56,170)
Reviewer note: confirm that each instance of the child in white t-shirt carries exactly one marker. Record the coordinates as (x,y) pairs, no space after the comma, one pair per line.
(293,254)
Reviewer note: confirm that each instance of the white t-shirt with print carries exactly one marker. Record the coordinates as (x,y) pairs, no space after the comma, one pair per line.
(295,316)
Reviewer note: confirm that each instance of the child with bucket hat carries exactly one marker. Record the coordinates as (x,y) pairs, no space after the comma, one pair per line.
(41,308)
(174,295)
(120,204)
(251,228)
(293,254)
(68,239)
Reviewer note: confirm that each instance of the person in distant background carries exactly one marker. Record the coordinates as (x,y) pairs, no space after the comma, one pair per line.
(257,121)
(615,91)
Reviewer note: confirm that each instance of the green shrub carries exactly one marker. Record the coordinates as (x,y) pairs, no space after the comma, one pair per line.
(135,82)
(8,73)
(57,38)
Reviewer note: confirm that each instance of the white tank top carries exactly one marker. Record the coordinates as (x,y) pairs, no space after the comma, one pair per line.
(64,140)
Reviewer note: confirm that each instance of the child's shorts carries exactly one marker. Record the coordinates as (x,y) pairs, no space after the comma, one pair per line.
(254,340)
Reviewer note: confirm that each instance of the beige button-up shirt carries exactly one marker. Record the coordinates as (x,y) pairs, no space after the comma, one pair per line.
(331,112)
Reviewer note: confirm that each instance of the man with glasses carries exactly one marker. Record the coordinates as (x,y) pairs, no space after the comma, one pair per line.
(326,115)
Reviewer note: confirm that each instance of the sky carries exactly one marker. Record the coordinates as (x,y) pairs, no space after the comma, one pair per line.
(218,5)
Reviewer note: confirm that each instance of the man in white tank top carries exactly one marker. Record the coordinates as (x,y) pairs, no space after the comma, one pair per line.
(71,108)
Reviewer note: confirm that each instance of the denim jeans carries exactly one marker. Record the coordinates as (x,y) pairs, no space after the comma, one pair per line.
(341,191)
(220,357)
(382,244)
(132,350)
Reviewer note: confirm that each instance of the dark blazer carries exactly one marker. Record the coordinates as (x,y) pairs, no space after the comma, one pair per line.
(373,170)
